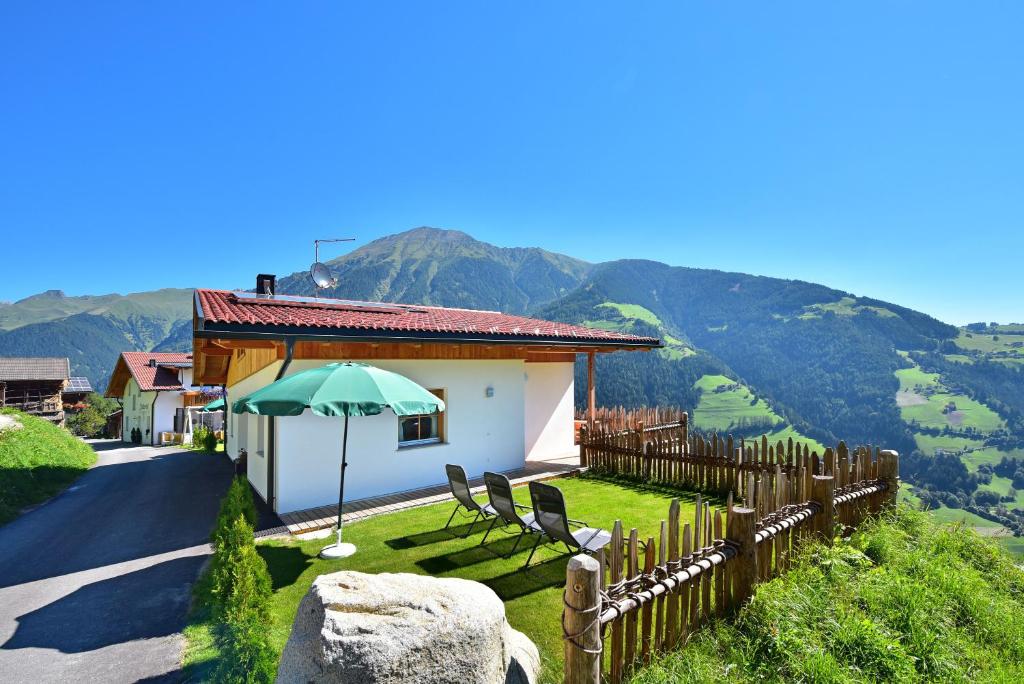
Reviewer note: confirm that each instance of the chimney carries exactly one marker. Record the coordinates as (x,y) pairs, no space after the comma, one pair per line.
(266,283)
(152,363)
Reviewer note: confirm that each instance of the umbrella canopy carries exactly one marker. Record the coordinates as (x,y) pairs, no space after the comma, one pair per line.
(340,389)
(215,405)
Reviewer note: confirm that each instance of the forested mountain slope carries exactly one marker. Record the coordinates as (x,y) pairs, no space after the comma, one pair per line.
(448,268)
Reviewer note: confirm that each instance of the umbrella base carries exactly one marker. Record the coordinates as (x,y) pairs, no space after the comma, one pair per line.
(338,550)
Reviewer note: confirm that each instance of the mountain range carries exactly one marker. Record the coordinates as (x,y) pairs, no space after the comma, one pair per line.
(822,363)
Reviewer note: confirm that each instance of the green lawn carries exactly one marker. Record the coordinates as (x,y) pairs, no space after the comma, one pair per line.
(413,541)
(37,461)
(989,455)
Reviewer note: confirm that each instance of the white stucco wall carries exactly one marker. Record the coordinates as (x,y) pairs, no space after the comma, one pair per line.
(136,406)
(549,410)
(243,430)
(481,434)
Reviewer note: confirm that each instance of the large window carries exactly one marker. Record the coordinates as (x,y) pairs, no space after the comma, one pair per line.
(427,428)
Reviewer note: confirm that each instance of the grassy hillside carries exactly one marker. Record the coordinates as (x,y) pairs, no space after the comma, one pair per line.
(37,461)
(904,600)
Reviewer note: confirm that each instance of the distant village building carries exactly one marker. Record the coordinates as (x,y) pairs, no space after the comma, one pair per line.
(156,393)
(35,385)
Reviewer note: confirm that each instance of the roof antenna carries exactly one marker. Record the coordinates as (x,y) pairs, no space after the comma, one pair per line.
(320,273)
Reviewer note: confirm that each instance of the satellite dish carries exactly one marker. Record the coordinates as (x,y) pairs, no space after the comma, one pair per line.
(321,275)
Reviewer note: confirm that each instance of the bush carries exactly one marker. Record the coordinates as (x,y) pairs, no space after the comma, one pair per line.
(243,590)
(237,502)
(210,441)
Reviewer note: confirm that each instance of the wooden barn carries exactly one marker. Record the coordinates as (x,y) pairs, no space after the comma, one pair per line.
(35,385)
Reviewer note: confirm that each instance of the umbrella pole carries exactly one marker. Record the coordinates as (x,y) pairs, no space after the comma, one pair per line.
(344,465)
(340,550)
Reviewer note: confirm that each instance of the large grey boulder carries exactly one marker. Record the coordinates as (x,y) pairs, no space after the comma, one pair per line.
(358,628)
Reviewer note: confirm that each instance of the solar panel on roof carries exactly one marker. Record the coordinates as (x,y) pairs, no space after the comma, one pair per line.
(350,304)
(78,385)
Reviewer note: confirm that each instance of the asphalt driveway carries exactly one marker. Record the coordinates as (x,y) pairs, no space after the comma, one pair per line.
(95,584)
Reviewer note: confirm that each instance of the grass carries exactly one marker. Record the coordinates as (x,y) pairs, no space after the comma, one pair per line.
(904,600)
(846,306)
(985,344)
(633,311)
(37,461)
(413,541)
(929,444)
(923,398)
(722,411)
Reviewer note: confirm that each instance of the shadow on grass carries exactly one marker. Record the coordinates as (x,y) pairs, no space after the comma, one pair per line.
(499,548)
(520,582)
(435,536)
(285,563)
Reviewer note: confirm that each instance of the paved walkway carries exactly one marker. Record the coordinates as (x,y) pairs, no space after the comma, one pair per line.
(95,585)
(310,520)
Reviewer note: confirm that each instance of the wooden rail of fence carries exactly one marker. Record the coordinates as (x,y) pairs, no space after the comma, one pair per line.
(639,597)
(618,418)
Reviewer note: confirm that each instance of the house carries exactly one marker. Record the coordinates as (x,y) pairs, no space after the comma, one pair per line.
(75,392)
(35,385)
(507,382)
(156,390)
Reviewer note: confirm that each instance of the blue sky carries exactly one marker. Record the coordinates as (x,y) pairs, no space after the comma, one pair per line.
(873,147)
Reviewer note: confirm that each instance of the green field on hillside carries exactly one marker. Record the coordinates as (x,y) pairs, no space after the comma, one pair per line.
(724,403)
(989,343)
(989,455)
(846,306)
(929,444)
(923,398)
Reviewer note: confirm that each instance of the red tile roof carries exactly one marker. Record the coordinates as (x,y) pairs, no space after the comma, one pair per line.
(152,378)
(243,309)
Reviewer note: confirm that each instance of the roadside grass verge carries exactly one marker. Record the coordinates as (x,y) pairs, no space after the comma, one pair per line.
(904,600)
(37,461)
(414,541)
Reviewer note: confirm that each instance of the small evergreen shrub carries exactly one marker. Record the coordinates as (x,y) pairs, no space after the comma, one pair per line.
(243,590)
(210,441)
(238,501)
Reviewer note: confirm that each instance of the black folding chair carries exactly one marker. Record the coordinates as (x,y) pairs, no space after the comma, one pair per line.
(549,512)
(460,490)
(499,490)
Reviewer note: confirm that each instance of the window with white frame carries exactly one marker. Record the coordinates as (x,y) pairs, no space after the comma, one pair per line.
(425,428)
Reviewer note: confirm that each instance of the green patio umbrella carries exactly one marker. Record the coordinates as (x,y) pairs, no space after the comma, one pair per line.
(340,389)
(215,405)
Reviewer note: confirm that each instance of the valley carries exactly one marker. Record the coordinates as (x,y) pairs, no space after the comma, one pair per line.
(745,354)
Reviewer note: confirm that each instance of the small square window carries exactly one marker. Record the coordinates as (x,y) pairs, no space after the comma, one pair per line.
(427,428)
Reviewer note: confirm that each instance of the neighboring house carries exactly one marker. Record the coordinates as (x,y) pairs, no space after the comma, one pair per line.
(35,385)
(75,392)
(155,390)
(507,382)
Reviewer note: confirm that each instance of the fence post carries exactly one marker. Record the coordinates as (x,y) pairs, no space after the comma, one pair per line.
(823,492)
(584,461)
(582,621)
(740,531)
(889,472)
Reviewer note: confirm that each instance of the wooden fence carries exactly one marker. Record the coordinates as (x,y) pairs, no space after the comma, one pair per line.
(639,596)
(617,418)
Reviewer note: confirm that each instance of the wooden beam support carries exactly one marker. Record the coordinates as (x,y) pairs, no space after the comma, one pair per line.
(591,390)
